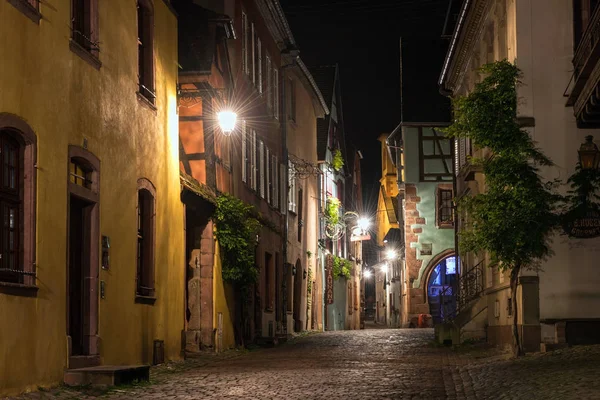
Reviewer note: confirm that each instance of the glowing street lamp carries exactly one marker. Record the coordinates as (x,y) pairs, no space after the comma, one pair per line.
(227,120)
(390,254)
(363,224)
(367,274)
(589,155)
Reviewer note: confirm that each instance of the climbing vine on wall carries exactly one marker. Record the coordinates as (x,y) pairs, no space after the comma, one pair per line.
(341,267)
(236,230)
(338,161)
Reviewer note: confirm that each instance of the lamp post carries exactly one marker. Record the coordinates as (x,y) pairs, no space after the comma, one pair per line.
(589,155)
(227,120)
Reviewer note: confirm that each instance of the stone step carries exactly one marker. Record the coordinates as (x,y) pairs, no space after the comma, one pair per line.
(107,375)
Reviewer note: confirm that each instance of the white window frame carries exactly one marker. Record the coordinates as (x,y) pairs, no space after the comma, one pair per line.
(253,161)
(245,43)
(261,155)
(275,182)
(268,175)
(268,84)
(244,160)
(292,192)
(275,93)
(253,54)
(259,51)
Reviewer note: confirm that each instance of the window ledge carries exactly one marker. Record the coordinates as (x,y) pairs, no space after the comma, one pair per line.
(150,300)
(18,289)
(144,100)
(27,9)
(85,55)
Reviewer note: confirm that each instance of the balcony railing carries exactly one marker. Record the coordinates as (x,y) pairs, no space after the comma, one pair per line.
(583,94)
(469,287)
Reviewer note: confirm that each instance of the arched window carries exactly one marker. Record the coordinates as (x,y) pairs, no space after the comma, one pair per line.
(17,201)
(145,239)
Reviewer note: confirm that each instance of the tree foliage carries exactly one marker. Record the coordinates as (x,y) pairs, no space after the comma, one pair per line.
(513,219)
(236,232)
(515,216)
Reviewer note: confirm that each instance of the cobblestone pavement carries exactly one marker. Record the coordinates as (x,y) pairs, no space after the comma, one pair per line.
(367,364)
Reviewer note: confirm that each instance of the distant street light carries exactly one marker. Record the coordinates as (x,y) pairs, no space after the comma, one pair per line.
(227,120)
(367,274)
(391,254)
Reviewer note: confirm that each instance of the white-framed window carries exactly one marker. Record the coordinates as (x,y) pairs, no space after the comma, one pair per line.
(259,66)
(262,168)
(275,181)
(292,191)
(244,154)
(268,174)
(253,33)
(268,88)
(254,170)
(245,43)
(275,93)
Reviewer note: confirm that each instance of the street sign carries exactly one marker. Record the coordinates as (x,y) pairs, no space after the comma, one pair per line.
(329,279)
(584,226)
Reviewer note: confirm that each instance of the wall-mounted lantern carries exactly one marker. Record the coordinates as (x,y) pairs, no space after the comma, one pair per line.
(589,155)
(227,120)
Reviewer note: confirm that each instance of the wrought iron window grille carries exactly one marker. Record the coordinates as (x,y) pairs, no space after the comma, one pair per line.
(84,41)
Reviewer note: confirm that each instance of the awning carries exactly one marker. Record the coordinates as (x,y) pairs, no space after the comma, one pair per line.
(200,190)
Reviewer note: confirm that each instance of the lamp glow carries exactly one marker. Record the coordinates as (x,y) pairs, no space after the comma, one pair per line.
(363,223)
(227,120)
(589,155)
(367,274)
(390,254)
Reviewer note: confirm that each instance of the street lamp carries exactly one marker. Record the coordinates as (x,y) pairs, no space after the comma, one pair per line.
(227,120)
(589,155)
(367,274)
(390,254)
(363,223)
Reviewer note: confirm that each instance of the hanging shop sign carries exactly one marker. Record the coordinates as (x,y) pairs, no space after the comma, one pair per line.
(329,279)
(583,226)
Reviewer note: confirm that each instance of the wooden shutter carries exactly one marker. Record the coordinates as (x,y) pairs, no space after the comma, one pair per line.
(244,155)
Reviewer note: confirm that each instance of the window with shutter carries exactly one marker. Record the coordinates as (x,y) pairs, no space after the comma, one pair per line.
(268,175)
(292,189)
(268,87)
(254,169)
(259,65)
(275,182)
(275,93)
(244,159)
(245,43)
(252,32)
(261,158)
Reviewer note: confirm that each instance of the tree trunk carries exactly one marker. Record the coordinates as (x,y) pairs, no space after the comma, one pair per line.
(514,280)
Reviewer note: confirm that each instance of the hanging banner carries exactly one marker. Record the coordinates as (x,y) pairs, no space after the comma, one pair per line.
(329,279)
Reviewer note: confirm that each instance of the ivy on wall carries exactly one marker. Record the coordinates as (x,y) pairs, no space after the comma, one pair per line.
(236,232)
(341,267)
(338,161)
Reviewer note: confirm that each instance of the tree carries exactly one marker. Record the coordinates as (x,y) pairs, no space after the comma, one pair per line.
(513,220)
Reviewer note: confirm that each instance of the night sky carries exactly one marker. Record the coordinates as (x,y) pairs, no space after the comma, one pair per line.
(363,37)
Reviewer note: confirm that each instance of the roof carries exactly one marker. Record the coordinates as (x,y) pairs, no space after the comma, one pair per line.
(322,133)
(196,37)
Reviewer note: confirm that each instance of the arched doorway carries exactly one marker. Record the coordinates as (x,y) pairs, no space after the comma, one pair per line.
(298,277)
(440,286)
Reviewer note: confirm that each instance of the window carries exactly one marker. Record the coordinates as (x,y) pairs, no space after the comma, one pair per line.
(275,93)
(259,64)
(17,201)
(245,158)
(245,44)
(445,208)
(145,239)
(269,283)
(10,202)
(268,87)
(275,182)
(84,24)
(292,110)
(261,160)
(28,7)
(583,10)
(145,19)
(252,32)
(292,206)
(268,176)
(80,174)
(300,215)
(254,169)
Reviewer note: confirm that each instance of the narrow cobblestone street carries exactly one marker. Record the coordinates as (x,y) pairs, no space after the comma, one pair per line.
(367,364)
